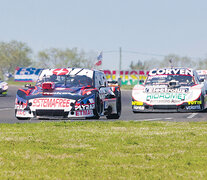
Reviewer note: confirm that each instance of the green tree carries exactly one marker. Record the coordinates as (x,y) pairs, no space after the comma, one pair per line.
(58,58)
(177,61)
(140,65)
(13,54)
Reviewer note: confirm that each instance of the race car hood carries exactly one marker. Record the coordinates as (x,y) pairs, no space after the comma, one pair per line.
(74,93)
(163,94)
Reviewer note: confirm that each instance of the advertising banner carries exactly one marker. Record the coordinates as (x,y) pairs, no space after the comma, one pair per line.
(26,74)
(132,77)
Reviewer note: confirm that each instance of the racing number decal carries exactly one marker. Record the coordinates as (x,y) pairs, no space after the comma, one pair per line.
(60,71)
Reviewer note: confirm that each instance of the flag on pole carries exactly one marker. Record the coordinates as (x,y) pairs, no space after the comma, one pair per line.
(99,60)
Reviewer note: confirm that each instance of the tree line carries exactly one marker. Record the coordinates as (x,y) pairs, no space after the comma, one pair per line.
(171,60)
(18,54)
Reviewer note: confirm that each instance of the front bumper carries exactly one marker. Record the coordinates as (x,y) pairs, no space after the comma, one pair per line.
(3,92)
(185,107)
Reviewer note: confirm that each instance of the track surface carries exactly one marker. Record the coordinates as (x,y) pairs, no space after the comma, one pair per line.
(7,111)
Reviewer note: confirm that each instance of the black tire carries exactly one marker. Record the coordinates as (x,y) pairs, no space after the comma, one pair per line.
(97,110)
(118,106)
(203,103)
(21,118)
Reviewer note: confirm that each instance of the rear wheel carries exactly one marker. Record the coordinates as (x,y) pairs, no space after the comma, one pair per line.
(203,104)
(118,106)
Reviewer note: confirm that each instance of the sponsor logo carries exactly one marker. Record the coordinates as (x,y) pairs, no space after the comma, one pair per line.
(51,103)
(180,96)
(84,113)
(166,90)
(85,106)
(171,71)
(165,101)
(57,93)
(193,107)
(139,107)
(21,113)
(60,71)
(194,102)
(137,103)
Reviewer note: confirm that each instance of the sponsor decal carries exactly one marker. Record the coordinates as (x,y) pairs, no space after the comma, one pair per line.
(171,71)
(60,71)
(57,93)
(20,113)
(165,101)
(194,102)
(137,103)
(139,107)
(196,107)
(180,96)
(84,113)
(85,106)
(51,103)
(166,90)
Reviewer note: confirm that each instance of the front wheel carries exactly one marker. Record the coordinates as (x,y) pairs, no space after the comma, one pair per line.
(97,110)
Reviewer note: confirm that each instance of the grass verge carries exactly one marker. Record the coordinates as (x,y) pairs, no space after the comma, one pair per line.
(18,83)
(103,150)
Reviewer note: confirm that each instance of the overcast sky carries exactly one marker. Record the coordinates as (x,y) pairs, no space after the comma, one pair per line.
(144,26)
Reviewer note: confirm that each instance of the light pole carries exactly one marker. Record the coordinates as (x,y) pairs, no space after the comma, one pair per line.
(120,60)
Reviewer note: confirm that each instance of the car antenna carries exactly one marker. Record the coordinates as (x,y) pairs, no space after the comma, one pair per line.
(79,71)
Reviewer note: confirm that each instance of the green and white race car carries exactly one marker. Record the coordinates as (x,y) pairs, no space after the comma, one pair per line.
(170,89)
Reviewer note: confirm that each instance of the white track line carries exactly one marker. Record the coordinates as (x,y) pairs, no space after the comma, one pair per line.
(6,109)
(156,119)
(192,115)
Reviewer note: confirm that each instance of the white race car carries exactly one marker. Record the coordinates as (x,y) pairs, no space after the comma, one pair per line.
(3,88)
(170,89)
(69,93)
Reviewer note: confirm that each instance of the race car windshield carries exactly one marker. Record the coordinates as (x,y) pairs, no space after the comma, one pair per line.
(67,80)
(183,80)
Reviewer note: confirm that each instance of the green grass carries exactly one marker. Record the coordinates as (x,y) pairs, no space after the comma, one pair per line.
(127,87)
(18,83)
(103,150)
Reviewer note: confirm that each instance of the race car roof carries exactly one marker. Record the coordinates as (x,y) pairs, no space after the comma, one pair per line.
(171,71)
(67,71)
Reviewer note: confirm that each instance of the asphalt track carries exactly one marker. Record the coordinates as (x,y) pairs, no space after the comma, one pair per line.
(7,111)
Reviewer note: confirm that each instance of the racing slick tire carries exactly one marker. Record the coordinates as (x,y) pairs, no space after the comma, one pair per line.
(98,107)
(21,118)
(203,103)
(118,106)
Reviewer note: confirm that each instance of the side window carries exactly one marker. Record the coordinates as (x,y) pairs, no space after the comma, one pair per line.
(100,79)
(97,80)
(104,80)
(196,78)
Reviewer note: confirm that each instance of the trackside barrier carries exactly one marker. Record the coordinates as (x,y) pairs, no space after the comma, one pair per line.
(132,77)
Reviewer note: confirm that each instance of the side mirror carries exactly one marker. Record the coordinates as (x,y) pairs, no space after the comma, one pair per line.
(27,85)
(201,80)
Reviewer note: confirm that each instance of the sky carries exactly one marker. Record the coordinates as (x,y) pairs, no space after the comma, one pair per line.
(141,28)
